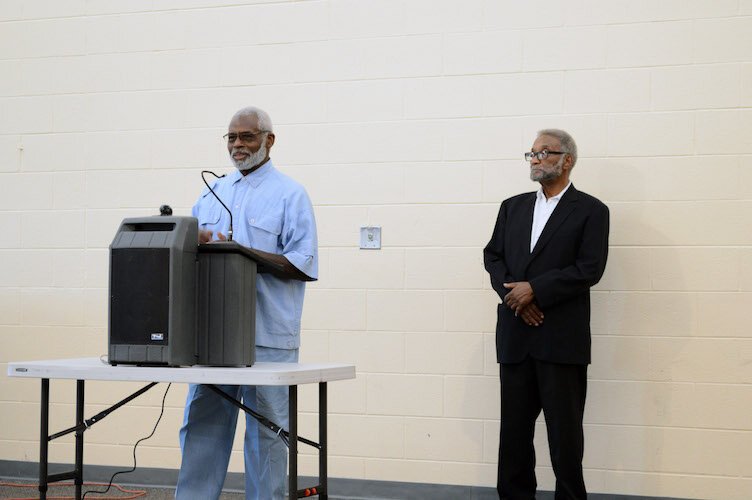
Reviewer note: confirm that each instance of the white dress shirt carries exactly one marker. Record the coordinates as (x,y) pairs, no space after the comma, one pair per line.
(542,212)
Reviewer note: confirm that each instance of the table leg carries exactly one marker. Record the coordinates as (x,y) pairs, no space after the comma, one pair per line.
(44,421)
(79,468)
(323,473)
(292,482)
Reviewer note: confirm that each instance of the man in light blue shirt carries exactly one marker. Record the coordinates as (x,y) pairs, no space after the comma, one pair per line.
(272,214)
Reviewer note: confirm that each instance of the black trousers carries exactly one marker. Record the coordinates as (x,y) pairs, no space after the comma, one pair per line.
(559,390)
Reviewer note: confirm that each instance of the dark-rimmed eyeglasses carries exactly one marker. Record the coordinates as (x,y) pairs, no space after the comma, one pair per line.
(243,136)
(542,155)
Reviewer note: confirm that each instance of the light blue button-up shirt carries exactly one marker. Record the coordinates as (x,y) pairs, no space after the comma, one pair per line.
(273,213)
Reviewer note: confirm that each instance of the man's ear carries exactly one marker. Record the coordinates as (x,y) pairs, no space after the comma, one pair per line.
(568,162)
(269,140)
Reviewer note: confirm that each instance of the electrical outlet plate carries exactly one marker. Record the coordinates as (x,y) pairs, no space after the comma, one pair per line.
(370,238)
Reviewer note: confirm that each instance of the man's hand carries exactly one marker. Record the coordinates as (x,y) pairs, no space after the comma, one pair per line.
(520,295)
(205,236)
(532,315)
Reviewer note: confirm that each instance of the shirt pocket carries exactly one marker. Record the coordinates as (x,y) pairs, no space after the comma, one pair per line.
(265,232)
(209,211)
(209,216)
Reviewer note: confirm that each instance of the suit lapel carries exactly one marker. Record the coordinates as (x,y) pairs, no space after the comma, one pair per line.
(526,224)
(566,205)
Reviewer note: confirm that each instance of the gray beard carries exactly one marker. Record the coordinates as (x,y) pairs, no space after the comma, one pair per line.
(541,175)
(252,160)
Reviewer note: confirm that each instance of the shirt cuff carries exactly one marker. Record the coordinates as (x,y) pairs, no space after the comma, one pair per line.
(305,263)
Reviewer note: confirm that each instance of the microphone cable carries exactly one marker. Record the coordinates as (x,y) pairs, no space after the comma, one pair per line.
(112,478)
(229,233)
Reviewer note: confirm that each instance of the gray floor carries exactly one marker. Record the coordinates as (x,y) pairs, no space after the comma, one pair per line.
(158,483)
(9,493)
(345,492)
(151,493)
(66,490)
(159,480)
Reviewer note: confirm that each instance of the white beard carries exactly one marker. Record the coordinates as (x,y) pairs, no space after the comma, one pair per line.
(252,160)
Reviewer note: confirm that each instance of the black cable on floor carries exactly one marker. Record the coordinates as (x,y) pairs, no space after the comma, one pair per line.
(134,449)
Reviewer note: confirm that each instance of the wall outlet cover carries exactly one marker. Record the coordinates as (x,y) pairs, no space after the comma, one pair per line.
(370,238)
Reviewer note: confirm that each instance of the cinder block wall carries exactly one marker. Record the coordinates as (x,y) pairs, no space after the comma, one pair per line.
(411,115)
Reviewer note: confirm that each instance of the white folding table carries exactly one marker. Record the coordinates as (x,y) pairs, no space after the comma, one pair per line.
(82,369)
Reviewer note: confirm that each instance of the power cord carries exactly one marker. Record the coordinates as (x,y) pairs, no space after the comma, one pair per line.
(161,413)
(134,493)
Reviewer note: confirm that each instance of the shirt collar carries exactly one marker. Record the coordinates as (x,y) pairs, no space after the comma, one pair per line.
(539,195)
(256,177)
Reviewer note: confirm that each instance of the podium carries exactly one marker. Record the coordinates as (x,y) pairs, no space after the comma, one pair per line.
(174,302)
(226,303)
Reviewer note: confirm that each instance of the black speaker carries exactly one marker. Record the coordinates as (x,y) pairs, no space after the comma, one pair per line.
(152,310)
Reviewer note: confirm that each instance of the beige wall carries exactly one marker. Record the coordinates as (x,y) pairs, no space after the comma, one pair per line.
(411,115)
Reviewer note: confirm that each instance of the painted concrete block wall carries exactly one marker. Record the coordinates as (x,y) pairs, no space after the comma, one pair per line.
(411,115)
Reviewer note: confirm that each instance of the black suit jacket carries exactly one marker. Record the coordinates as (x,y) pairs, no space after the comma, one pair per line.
(568,259)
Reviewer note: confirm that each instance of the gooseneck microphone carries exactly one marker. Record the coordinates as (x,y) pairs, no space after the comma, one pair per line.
(229,232)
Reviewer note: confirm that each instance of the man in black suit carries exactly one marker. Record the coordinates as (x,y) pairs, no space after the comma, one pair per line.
(547,249)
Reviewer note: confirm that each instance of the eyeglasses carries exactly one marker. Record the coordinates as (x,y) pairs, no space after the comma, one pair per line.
(243,136)
(542,155)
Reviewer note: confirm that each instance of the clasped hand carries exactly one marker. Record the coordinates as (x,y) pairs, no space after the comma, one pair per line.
(520,300)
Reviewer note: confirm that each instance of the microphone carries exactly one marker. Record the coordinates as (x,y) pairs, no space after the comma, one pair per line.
(229,233)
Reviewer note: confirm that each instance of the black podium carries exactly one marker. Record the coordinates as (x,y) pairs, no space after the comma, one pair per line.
(226,303)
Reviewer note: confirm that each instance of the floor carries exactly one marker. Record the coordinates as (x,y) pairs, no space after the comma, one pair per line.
(28,490)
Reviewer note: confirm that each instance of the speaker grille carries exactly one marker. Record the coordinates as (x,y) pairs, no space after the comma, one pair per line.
(139,296)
